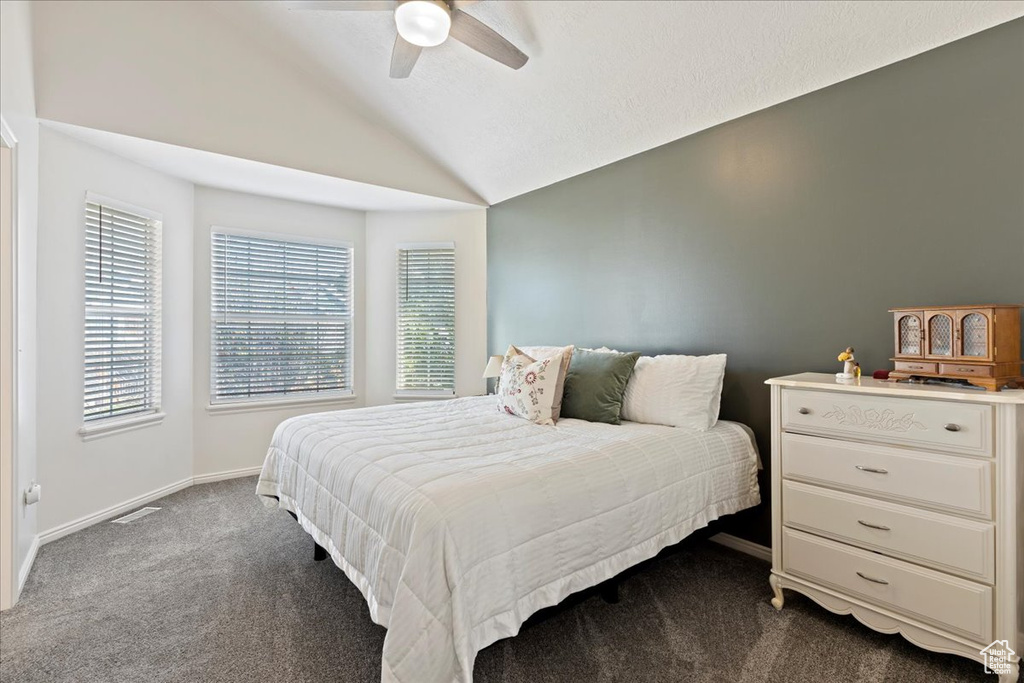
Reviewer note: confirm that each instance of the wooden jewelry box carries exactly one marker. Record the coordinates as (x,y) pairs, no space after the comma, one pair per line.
(980,344)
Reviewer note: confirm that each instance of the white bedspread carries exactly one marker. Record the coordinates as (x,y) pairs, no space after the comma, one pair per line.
(457,522)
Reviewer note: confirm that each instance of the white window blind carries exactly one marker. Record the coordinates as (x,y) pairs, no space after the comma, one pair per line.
(122,311)
(281,317)
(426,319)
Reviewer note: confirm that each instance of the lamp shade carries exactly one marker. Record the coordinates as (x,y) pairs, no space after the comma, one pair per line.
(493,368)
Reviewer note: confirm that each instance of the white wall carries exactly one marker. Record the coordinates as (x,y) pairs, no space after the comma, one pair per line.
(384,231)
(198,81)
(18,109)
(81,478)
(237,440)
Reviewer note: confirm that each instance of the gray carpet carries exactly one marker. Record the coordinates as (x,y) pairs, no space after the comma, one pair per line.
(217,588)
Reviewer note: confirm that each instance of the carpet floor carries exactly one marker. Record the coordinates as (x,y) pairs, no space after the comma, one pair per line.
(215,587)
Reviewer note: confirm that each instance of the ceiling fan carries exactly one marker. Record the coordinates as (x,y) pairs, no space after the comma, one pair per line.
(428,23)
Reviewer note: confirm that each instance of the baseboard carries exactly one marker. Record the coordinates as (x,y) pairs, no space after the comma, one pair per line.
(229,474)
(744,546)
(129,505)
(25,568)
(63,530)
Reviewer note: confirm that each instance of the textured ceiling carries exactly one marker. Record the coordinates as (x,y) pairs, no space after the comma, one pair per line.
(605,79)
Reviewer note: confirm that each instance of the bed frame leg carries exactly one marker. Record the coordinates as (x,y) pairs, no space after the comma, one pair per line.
(609,591)
(319,552)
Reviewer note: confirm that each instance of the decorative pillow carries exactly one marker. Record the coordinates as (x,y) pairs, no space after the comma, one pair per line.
(595,385)
(678,391)
(528,387)
(542,352)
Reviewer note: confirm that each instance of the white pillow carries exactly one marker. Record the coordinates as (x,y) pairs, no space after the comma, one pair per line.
(678,391)
(529,388)
(542,352)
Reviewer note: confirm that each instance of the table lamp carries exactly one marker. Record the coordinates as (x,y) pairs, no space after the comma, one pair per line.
(493,368)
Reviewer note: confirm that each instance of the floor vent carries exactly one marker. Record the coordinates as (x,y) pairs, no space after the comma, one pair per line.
(138,514)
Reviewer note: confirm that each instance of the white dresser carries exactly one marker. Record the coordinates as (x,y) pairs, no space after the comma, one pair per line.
(903,505)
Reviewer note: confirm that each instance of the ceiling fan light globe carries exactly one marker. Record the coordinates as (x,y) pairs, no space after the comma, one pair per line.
(423,22)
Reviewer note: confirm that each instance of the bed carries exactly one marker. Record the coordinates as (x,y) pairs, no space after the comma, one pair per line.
(457,522)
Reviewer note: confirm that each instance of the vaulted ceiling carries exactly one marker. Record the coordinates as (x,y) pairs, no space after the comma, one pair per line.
(605,80)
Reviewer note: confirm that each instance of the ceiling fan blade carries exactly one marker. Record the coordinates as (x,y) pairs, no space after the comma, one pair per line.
(485,40)
(342,5)
(403,58)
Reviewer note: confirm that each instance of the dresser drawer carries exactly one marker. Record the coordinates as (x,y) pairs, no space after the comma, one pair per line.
(957,605)
(966,370)
(944,542)
(940,481)
(916,366)
(933,425)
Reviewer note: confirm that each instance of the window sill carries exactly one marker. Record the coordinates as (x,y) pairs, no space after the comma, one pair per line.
(277,404)
(412,398)
(118,425)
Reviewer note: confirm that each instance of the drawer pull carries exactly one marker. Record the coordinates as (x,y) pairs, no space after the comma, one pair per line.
(804,411)
(876,470)
(873,526)
(951,427)
(873,579)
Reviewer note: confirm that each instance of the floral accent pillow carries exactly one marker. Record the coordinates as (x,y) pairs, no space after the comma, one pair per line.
(542,352)
(527,387)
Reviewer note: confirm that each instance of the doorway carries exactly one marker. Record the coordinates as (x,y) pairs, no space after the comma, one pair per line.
(8,364)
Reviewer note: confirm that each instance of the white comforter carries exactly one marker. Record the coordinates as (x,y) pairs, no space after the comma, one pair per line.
(457,522)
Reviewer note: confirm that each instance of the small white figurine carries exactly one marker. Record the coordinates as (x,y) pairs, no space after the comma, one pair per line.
(851,368)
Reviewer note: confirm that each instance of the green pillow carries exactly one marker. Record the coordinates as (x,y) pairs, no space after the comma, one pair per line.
(595,384)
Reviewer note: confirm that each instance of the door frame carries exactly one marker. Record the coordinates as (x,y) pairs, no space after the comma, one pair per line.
(8,372)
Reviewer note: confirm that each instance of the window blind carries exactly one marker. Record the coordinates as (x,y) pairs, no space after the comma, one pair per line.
(426,320)
(122,312)
(281,317)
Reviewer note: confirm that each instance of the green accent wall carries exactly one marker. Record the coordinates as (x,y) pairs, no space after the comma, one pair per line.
(782,237)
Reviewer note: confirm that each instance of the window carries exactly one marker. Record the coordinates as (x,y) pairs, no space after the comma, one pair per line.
(122,310)
(281,317)
(426,319)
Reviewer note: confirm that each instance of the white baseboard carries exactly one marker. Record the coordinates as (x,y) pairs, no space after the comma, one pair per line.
(129,505)
(229,474)
(25,568)
(744,546)
(63,530)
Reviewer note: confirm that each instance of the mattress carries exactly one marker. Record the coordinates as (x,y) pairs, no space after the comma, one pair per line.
(457,522)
